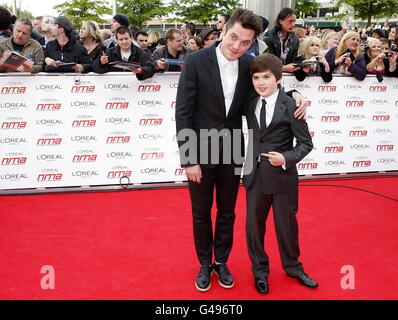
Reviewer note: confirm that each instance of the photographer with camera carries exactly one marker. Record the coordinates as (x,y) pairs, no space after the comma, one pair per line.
(313,63)
(379,62)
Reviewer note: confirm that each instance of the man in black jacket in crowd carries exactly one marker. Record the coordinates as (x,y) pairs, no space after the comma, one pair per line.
(125,51)
(65,48)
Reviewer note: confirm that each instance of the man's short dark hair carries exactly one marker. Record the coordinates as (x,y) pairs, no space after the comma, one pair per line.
(283,14)
(170,34)
(247,19)
(123,30)
(267,62)
(140,32)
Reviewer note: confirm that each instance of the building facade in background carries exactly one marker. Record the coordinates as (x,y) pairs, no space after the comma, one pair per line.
(268,9)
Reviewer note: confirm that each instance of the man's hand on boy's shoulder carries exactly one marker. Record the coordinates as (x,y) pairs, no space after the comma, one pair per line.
(301,104)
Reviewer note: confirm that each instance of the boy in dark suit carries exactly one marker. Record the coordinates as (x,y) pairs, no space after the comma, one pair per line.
(273,180)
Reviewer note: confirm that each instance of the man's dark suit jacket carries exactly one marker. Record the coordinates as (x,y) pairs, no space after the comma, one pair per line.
(278,136)
(200,99)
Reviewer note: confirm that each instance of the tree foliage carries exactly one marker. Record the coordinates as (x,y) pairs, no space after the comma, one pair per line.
(202,10)
(366,9)
(306,7)
(83,10)
(140,11)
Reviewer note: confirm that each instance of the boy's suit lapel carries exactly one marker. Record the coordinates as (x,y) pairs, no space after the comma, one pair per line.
(280,107)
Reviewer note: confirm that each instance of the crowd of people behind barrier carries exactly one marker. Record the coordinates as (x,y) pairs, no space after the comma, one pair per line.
(52,45)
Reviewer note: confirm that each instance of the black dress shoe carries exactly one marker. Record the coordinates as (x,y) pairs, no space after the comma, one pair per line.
(225,278)
(202,282)
(261,285)
(305,279)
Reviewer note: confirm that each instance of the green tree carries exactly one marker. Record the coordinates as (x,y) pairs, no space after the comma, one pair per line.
(83,10)
(366,9)
(140,11)
(202,10)
(305,7)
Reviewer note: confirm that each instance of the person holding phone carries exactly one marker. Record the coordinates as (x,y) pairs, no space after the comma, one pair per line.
(347,58)
(313,63)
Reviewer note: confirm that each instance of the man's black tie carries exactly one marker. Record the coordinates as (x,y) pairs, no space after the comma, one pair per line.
(262,115)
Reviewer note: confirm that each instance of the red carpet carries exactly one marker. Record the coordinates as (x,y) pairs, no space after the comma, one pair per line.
(139,245)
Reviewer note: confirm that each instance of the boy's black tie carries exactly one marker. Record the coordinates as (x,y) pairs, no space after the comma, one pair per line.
(262,115)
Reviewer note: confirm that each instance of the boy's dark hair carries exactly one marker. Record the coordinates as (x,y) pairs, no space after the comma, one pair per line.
(283,14)
(123,30)
(247,19)
(267,62)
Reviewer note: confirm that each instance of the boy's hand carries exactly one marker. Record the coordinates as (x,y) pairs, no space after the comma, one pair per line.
(275,158)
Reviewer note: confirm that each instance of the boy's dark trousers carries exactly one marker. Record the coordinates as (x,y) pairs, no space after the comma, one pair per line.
(284,205)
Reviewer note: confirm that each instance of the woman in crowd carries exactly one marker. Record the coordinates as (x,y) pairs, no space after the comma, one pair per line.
(195,44)
(347,58)
(153,40)
(376,60)
(310,52)
(392,36)
(90,37)
(330,39)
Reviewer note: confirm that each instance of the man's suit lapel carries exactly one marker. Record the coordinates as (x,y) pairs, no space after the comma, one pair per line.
(215,74)
(238,87)
(279,110)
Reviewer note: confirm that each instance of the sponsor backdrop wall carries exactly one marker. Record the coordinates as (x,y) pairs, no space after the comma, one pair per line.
(64,130)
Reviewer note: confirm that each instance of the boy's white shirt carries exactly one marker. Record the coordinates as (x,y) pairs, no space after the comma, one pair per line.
(269,111)
(270,107)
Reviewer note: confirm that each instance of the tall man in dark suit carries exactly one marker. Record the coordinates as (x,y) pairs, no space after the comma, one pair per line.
(212,89)
(273,178)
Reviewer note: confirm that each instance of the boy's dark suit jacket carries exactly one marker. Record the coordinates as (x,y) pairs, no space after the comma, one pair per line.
(278,136)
